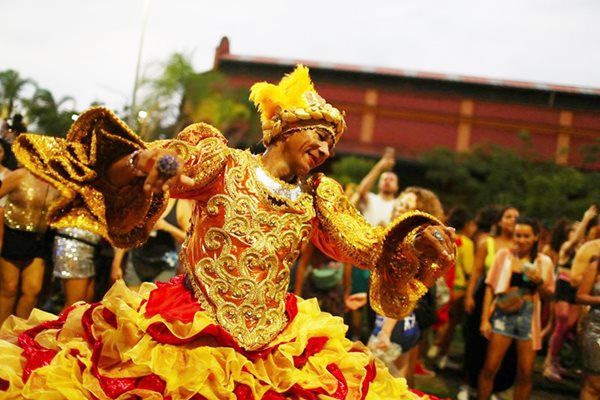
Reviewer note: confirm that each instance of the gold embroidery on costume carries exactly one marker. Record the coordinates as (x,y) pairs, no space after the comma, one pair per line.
(397,274)
(75,167)
(343,233)
(204,151)
(241,252)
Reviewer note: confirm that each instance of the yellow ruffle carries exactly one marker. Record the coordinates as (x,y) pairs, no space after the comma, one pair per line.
(198,367)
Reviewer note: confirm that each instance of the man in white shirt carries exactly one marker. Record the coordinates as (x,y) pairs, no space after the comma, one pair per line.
(377,208)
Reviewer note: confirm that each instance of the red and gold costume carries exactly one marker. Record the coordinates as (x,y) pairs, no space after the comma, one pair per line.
(228,329)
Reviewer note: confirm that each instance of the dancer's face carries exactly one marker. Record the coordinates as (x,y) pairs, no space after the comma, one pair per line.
(306,149)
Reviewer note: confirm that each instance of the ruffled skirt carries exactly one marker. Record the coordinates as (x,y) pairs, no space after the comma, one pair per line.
(158,343)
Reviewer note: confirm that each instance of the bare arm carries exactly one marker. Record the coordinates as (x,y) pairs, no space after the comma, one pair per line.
(567,246)
(365,186)
(486,327)
(587,283)
(11,181)
(116,272)
(582,261)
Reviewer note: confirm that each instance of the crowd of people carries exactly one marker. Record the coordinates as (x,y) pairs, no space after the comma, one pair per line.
(512,286)
(516,287)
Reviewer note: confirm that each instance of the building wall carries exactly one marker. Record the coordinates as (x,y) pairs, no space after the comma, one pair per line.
(381,112)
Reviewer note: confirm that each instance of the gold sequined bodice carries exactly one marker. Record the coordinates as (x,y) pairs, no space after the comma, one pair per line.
(27,205)
(247,232)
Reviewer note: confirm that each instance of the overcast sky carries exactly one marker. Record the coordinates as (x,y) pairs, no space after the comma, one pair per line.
(88,49)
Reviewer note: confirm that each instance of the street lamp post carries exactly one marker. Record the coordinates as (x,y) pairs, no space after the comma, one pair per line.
(132,112)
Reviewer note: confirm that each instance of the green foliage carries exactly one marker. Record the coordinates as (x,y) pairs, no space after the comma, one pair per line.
(177,96)
(351,169)
(209,98)
(11,86)
(495,175)
(51,117)
(161,96)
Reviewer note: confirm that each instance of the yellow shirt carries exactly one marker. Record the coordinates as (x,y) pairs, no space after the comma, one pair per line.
(465,255)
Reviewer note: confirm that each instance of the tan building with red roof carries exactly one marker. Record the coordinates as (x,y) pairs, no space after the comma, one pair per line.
(415,111)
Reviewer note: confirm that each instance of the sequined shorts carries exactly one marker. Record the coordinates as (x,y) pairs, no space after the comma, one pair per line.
(73,254)
(589,342)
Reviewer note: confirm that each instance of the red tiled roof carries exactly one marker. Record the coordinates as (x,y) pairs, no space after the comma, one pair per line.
(412,74)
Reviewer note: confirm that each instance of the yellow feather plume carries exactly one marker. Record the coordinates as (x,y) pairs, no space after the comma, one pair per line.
(287,95)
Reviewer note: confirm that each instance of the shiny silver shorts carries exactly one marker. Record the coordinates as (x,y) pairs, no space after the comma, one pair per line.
(73,253)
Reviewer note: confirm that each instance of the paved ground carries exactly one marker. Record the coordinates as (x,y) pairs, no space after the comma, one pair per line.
(446,383)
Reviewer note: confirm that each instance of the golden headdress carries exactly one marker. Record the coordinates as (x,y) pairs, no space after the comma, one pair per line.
(292,104)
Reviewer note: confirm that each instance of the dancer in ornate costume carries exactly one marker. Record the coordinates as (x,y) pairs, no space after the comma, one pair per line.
(226,329)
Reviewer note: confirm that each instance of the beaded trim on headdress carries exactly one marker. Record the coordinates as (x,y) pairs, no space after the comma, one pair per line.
(294,103)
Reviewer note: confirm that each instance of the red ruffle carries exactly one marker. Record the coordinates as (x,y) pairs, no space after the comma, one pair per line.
(173,301)
(243,392)
(371,373)
(36,355)
(314,345)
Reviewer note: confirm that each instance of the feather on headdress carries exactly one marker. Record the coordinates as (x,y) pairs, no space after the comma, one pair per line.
(294,102)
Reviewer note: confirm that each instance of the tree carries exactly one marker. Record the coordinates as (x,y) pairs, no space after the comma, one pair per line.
(209,98)
(11,86)
(50,116)
(162,96)
(495,175)
(349,170)
(177,96)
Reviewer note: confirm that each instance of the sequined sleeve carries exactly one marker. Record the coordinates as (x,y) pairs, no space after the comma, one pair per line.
(398,277)
(76,166)
(205,152)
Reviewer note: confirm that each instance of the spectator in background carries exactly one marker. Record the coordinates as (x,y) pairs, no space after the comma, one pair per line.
(588,293)
(17,127)
(566,312)
(74,259)
(501,236)
(558,235)
(321,277)
(584,255)
(156,259)
(24,246)
(512,309)
(3,172)
(459,219)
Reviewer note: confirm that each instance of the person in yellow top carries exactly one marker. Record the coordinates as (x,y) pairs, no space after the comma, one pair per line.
(459,219)
(226,329)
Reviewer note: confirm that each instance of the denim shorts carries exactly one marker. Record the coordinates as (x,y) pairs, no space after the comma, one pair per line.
(517,325)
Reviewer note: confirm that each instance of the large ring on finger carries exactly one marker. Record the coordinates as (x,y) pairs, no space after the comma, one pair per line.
(438,235)
(167,166)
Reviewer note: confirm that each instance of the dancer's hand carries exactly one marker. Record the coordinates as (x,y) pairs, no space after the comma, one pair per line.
(163,169)
(438,245)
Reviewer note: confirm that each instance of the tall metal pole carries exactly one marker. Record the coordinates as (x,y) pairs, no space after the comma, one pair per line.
(132,114)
